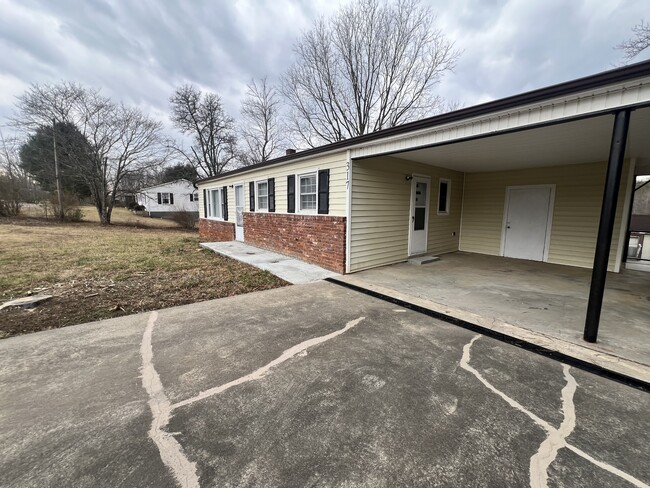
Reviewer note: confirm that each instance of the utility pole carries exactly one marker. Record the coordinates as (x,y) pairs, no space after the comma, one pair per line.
(57,175)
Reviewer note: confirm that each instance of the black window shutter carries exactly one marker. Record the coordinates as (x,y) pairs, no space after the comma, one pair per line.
(224,198)
(271,186)
(191,197)
(324,191)
(205,204)
(251,191)
(171,199)
(159,198)
(291,194)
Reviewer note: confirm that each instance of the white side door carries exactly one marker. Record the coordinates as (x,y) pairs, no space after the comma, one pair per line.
(419,218)
(527,223)
(239,212)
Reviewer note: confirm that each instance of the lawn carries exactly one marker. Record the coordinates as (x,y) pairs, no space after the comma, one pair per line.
(121,216)
(96,272)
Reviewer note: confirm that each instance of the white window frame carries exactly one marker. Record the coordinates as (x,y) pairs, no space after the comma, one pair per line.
(162,198)
(194,197)
(212,215)
(257,195)
(448,202)
(299,208)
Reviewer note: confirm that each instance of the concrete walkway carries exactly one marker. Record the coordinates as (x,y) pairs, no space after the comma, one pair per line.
(289,269)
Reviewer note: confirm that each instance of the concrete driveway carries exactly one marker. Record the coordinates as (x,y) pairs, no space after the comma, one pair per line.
(310,385)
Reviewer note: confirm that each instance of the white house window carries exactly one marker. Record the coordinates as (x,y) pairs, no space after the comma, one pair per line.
(307,185)
(194,197)
(214,204)
(165,198)
(444,194)
(262,196)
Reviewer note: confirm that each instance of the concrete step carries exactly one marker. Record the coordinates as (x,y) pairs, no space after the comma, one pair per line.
(420,260)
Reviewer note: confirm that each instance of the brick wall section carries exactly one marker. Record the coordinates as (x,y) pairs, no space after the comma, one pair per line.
(317,239)
(216,231)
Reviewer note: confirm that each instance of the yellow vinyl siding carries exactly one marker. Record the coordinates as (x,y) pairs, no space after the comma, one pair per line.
(335,163)
(381,202)
(576,212)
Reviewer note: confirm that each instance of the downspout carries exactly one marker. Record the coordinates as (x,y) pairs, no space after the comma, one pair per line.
(462,213)
(348,211)
(629,202)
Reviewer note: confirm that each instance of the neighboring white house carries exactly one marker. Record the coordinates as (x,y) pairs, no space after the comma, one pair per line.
(165,199)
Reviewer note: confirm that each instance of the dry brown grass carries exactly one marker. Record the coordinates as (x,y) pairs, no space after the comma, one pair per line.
(99,272)
(121,216)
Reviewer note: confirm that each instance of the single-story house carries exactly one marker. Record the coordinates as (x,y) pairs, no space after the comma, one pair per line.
(522,177)
(168,198)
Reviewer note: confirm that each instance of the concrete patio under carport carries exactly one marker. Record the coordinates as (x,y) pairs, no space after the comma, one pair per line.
(540,303)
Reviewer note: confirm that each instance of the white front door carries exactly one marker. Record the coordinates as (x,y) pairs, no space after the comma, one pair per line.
(526,227)
(419,218)
(239,212)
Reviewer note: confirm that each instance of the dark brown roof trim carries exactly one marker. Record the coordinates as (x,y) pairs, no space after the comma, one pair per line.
(617,75)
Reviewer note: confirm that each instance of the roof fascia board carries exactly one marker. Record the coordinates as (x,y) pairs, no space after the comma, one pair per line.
(554,110)
(166,183)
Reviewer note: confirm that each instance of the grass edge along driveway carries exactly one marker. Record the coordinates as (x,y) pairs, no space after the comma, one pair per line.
(96,272)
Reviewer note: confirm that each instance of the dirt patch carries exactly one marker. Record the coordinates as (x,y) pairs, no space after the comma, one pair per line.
(98,272)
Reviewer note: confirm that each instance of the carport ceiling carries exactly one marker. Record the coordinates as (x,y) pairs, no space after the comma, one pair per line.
(581,141)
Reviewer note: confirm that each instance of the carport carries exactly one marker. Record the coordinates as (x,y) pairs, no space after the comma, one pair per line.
(547,300)
(545,179)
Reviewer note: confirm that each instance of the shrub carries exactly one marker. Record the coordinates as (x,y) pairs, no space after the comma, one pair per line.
(186,220)
(74,214)
(9,208)
(139,208)
(132,205)
(9,196)
(70,205)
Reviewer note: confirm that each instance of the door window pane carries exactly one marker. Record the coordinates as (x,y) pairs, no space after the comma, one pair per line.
(420,194)
(239,205)
(420,217)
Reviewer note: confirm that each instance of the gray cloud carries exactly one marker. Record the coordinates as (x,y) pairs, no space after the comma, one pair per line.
(139,51)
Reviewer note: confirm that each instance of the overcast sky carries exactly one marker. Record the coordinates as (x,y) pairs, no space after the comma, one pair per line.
(138,51)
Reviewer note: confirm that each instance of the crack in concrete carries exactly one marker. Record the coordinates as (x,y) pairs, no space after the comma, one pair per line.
(171,452)
(547,451)
(261,372)
(556,438)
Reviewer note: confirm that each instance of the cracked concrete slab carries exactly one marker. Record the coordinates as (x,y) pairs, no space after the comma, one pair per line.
(382,401)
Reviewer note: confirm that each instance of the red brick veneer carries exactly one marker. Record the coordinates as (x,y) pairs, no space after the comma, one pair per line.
(318,239)
(216,230)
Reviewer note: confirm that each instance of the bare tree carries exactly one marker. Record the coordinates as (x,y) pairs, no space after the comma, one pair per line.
(261,126)
(201,116)
(13,181)
(638,43)
(118,140)
(373,65)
